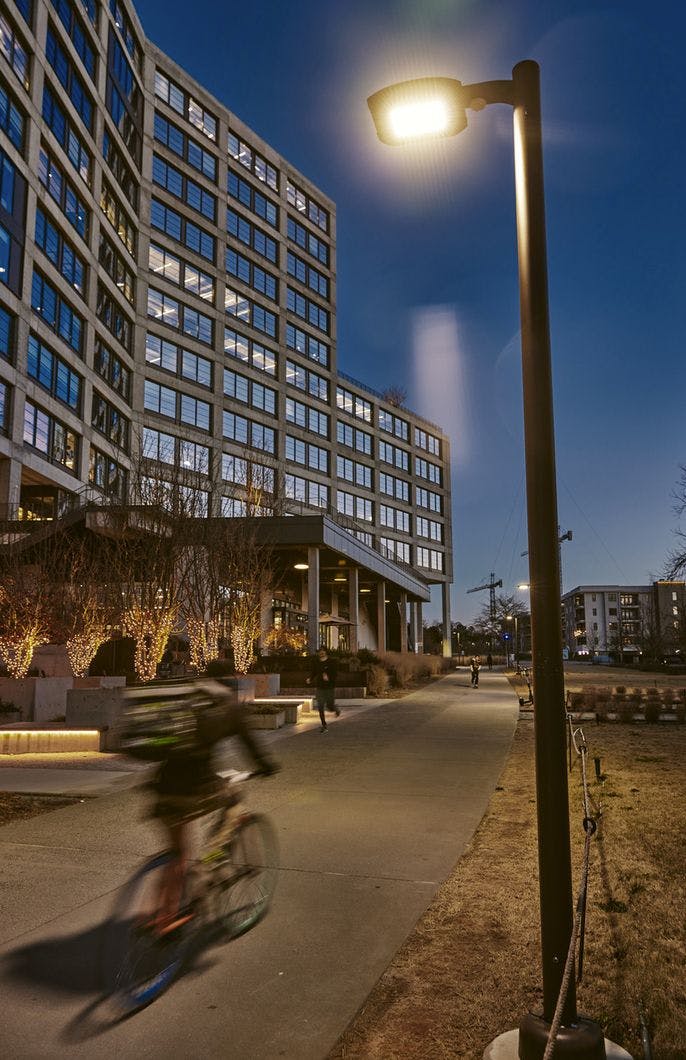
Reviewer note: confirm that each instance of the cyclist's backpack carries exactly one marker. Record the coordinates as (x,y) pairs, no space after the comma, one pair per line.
(160,722)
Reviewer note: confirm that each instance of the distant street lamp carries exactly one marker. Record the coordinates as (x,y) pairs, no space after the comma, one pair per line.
(515,643)
(437,107)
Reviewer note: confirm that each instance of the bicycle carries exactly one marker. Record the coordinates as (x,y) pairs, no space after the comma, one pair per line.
(229,888)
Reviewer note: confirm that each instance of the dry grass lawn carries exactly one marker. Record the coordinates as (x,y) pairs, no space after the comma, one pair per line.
(470,969)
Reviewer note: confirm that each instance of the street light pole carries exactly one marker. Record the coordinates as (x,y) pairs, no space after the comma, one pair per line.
(555,872)
(401,113)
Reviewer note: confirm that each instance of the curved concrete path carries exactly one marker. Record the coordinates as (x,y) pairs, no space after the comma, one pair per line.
(371,816)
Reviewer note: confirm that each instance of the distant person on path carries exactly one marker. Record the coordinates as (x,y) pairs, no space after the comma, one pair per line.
(323,677)
(489,661)
(475,666)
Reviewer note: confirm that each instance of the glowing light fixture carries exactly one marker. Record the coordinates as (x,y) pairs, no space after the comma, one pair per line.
(301,566)
(424,108)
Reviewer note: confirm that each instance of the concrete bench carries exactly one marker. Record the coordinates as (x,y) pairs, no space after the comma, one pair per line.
(44,739)
(292,706)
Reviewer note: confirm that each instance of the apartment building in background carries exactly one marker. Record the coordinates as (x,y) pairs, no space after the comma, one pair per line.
(633,619)
(168,302)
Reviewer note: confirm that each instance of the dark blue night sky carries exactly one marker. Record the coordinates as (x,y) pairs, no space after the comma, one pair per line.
(427,283)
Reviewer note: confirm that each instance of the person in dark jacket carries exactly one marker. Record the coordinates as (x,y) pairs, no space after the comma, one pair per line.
(187,787)
(323,677)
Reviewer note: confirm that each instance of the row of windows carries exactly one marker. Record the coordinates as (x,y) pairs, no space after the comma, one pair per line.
(10,260)
(109,421)
(394,487)
(247,473)
(52,438)
(353,404)
(118,218)
(78,34)
(180,229)
(240,388)
(11,119)
(54,374)
(395,518)
(252,236)
(123,24)
(307,491)
(307,274)
(126,122)
(240,429)
(179,452)
(307,454)
(56,313)
(120,170)
(181,273)
(395,550)
(107,475)
(424,440)
(69,78)
(307,310)
(182,363)
(249,352)
(112,369)
(183,408)
(116,268)
(303,238)
(306,417)
(394,425)
(391,454)
(428,528)
(354,506)
(112,316)
(312,348)
(60,252)
(7,325)
(63,131)
(428,499)
(185,105)
(353,471)
(253,161)
(182,187)
(425,469)
(252,275)
(181,317)
(14,50)
(305,379)
(237,305)
(185,147)
(354,438)
(307,205)
(252,199)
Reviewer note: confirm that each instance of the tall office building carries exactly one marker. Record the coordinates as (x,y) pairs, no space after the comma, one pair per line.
(168,303)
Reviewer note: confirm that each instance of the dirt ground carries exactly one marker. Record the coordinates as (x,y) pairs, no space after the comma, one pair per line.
(19,807)
(471,968)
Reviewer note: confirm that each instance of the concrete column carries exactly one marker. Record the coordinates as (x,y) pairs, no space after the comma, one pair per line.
(313,599)
(381,617)
(447,638)
(354,606)
(420,626)
(403,621)
(414,628)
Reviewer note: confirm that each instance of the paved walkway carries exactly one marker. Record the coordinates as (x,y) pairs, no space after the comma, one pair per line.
(371,818)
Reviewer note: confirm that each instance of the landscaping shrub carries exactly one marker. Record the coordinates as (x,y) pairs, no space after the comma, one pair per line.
(377,681)
(653,708)
(626,708)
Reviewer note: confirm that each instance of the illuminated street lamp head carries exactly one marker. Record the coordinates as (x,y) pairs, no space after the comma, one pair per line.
(426,108)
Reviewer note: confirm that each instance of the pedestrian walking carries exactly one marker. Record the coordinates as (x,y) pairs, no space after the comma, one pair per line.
(489,661)
(323,677)
(475,666)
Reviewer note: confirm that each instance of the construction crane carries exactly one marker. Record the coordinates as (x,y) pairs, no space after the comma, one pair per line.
(492,585)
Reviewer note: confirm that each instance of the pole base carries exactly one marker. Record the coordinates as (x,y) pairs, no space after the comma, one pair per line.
(506,1047)
(583,1039)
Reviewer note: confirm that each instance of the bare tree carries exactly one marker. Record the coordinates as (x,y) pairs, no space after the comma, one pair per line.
(676,560)
(395,396)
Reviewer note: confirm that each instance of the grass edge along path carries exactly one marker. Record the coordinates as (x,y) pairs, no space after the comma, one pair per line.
(471,967)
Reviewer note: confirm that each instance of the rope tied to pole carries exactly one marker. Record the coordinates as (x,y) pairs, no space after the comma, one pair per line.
(579,922)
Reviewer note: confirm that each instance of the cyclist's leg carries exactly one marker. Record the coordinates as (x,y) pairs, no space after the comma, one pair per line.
(169,914)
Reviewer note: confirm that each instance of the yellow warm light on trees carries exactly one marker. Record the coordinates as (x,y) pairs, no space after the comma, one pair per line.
(151,630)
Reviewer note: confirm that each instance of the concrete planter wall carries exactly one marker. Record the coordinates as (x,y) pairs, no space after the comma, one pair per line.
(42,699)
(267,721)
(96,708)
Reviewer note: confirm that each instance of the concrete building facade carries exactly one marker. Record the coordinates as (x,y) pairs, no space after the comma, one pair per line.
(631,619)
(168,308)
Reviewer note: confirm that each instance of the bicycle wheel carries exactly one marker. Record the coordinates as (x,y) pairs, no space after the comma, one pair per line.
(140,964)
(245,880)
